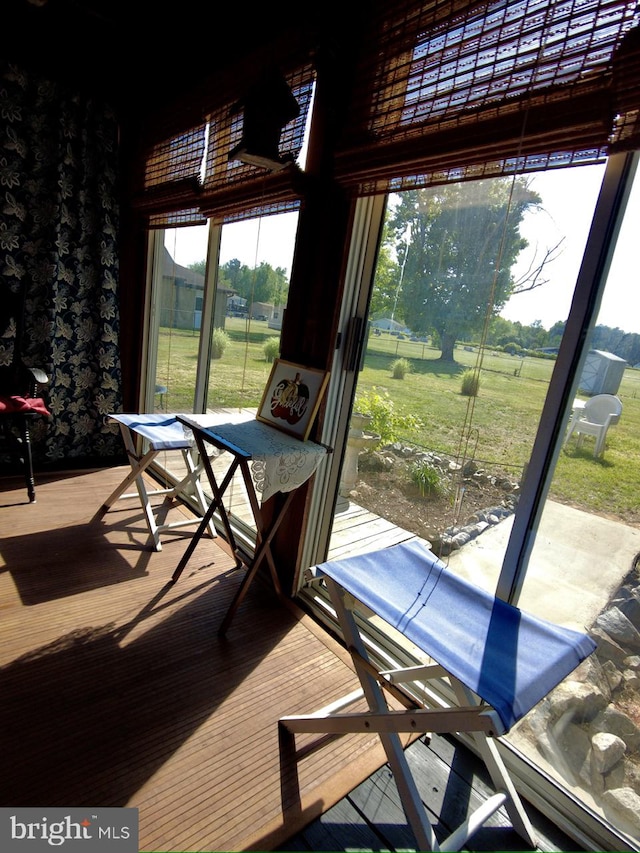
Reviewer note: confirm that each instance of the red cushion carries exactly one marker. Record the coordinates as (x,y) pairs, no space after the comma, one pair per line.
(23,404)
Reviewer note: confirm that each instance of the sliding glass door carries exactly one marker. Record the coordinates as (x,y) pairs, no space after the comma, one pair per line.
(217,302)
(495,310)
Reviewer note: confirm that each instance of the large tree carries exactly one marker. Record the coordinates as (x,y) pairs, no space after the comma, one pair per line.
(460,243)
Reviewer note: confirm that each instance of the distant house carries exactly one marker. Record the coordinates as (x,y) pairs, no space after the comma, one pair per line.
(388,325)
(236,306)
(182,297)
(261,311)
(275,320)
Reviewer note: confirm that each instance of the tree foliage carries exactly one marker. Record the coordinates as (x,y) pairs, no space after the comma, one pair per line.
(261,284)
(534,337)
(462,241)
(385,286)
(199,266)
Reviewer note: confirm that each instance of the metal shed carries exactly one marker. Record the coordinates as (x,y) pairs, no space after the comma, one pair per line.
(602,373)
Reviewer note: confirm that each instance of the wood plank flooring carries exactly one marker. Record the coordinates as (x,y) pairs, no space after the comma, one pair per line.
(355,528)
(117,691)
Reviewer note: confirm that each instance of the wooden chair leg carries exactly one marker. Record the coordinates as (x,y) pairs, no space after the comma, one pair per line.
(17,439)
(27,459)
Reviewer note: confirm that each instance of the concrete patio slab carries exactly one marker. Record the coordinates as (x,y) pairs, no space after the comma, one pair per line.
(577,564)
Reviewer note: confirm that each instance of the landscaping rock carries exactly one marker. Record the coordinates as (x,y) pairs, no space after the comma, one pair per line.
(607,750)
(622,808)
(615,721)
(619,628)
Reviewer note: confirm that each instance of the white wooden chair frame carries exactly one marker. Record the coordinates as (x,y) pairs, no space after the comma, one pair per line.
(472,715)
(158,434)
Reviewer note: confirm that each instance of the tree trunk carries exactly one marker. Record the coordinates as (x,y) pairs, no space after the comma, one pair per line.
(447,343)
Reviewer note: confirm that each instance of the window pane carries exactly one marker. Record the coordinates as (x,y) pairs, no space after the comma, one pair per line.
(251,296)
(252,286)
(180,291)
(473,286)
(583,570)
(174,336)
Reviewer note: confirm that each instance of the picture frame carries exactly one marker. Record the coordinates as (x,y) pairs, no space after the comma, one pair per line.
(292,397)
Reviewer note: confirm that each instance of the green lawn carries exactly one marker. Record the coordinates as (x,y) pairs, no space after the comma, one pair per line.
(497,428)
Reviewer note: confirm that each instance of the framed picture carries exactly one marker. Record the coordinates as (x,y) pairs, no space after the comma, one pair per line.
(292,397)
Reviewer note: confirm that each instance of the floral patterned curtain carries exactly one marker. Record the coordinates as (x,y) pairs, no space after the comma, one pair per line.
(59,253)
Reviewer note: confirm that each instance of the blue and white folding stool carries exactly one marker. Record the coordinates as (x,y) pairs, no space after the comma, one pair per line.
(498,661)
(145,436)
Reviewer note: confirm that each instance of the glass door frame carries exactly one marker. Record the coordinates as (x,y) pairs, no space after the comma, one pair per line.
(151,324)
(366,233)
(208,313)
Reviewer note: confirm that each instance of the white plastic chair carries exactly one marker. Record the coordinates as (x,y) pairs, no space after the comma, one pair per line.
(599,413)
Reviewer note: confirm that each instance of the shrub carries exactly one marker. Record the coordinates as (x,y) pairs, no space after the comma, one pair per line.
(400,367)
(385,421)
(220,340)
(271,349)
(427,478)
(470,383)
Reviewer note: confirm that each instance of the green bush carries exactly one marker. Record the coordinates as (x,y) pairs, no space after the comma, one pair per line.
(427,478)
(271,349)
(220,340)
(400,367)
(385,421)
(470,383)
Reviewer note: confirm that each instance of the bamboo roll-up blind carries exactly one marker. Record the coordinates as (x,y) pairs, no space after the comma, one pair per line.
(191,176)
(440,90)
(472,88)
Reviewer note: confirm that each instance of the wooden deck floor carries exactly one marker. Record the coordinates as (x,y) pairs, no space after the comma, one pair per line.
(117,691)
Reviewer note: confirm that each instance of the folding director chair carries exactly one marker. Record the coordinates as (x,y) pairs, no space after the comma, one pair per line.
(498,661)
(155,433)
(269,461)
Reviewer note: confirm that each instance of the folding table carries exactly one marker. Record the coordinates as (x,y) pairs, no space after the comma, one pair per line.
(157,432)
(497,661)
(269,461)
